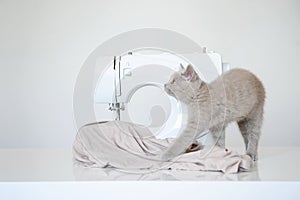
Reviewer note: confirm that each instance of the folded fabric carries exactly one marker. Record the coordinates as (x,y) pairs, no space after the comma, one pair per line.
(128,146)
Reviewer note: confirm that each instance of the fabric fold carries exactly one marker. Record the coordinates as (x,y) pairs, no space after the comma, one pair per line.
(129,146)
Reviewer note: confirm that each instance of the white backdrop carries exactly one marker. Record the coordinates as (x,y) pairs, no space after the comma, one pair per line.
(44,43)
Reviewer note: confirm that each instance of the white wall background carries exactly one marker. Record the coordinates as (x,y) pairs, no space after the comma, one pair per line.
(44,43)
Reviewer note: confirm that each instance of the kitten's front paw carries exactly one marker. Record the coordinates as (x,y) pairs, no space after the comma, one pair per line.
(167,156)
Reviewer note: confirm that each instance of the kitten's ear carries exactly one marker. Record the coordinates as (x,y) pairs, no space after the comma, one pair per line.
(190,74)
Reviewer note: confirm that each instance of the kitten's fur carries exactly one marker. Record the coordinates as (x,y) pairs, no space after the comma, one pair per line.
(237,95)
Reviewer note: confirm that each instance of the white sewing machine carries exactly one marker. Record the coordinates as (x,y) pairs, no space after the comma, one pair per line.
(131,88)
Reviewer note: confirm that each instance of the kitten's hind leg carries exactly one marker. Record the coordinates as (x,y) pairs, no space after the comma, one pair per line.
(250,129)
(218,133)
(243,128)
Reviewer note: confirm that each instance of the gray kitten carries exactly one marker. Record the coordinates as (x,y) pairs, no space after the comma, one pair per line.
(236,95)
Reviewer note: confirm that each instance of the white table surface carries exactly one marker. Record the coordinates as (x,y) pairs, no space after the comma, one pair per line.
(274,164)
(34,174)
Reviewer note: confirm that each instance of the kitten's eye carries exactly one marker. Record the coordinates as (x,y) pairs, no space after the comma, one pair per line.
(173,81)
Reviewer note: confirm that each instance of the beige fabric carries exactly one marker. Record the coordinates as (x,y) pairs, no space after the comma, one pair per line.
(128,146)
